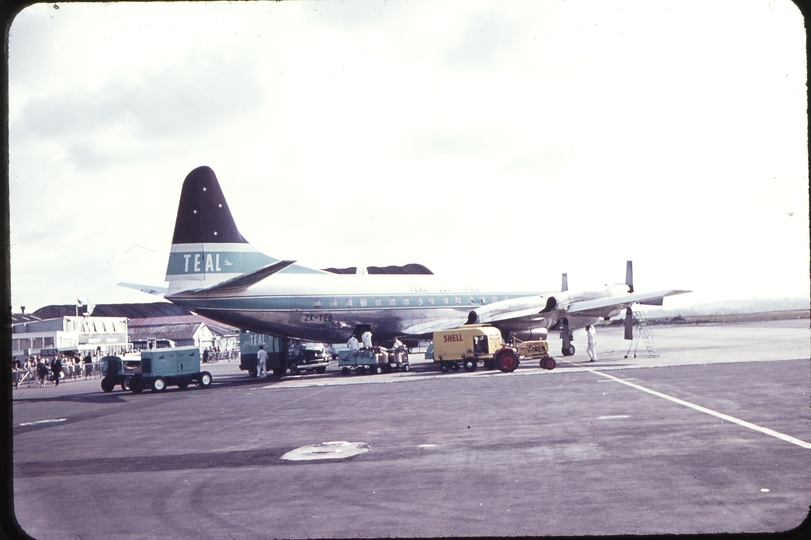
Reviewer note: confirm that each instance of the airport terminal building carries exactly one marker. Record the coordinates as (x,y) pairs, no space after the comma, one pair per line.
(113,329)
(69,335)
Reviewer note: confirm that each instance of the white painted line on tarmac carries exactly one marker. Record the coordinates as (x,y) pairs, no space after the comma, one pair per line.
(744,423)
(49,421)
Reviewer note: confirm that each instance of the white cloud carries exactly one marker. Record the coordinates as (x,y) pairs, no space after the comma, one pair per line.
(571,135)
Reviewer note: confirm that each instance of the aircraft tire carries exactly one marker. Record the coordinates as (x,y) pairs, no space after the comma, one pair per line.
(568,352)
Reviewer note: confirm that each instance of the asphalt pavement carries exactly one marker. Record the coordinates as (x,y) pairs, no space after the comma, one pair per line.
(713,435)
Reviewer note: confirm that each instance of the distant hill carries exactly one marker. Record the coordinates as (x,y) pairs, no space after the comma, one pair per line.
(733,307)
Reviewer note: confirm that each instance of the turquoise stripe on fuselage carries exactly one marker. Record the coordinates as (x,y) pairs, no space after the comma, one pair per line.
(338,303)
(199,263)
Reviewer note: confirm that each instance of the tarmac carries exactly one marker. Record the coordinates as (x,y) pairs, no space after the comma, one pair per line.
(711,436)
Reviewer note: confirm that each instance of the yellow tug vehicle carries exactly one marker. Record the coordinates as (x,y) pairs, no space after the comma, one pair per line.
(469,344)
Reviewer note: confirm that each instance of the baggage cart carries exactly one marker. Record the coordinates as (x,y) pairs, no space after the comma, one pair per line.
(156,369)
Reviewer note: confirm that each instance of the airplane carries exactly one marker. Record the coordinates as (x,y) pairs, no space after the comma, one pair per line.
(215,272)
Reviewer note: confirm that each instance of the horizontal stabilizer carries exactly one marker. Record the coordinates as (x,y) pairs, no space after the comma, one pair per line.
(654,298)
(246,280)
(149,289)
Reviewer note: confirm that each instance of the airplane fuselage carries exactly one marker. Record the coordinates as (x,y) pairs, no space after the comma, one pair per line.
(328,307)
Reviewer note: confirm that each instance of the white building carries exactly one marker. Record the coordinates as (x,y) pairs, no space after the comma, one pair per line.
(69,335)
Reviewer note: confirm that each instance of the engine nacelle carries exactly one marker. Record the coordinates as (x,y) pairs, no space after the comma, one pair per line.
(531,335)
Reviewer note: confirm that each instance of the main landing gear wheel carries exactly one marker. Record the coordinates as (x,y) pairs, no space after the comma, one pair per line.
(569,351)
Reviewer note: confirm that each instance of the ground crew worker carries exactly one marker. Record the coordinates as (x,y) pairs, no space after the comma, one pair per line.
(397,345)
(56,369)
(367,339)
(353,344)
(261,362)
(591,333)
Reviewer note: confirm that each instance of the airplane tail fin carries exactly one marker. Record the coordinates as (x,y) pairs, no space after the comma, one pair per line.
(207,247)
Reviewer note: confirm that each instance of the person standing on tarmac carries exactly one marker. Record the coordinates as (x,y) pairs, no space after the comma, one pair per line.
(56,370)
(42,372)
(591,334)
(261,362)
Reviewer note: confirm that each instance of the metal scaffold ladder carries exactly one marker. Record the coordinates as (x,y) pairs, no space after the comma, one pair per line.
(643,331)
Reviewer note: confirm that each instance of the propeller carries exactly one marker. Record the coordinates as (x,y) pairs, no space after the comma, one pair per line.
(629,323)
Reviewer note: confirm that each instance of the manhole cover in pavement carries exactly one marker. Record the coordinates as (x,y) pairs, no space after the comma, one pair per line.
(327,450)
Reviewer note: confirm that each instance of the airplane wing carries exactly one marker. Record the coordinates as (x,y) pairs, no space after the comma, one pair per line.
(620,302)
(149,289)
(517,308)
(433,325)
(527,308)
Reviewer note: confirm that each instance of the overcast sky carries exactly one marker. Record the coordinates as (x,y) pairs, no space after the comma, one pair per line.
(491,140)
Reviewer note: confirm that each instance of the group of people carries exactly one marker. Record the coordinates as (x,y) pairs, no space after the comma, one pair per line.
(366,339)
(354,345)
(213,354)
(56,368)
